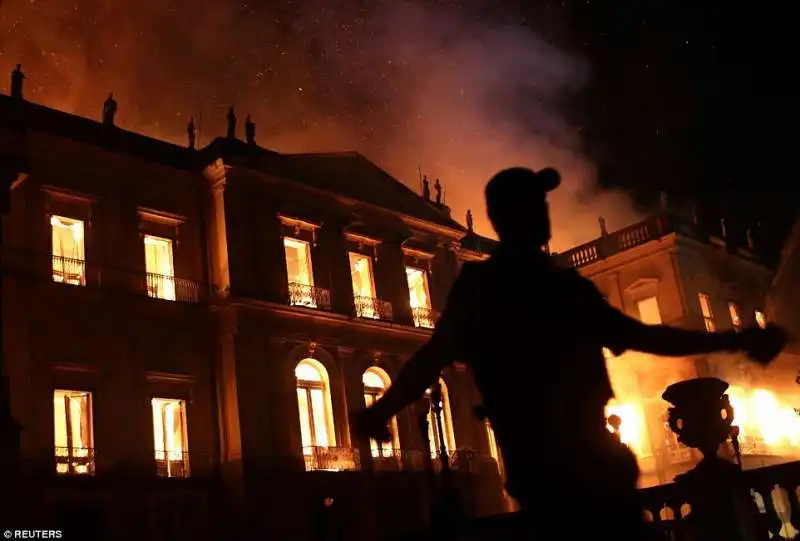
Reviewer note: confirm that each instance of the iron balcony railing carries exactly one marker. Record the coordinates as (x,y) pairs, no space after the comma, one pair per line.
(172,464)
(372,308)
(331,459)
(464,460)
(309,296)
(424,317)
(74,460)
(81,273)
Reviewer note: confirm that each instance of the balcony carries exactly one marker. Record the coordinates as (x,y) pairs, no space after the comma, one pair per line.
(424,317)
(331,459)
(74,272)
(172,464)
(462,460)
(372,308)
(69,271)
(309,296)
(653,228)
(392,460)
(74,460)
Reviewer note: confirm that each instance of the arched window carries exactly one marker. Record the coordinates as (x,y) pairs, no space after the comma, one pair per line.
(376,381)
(314,403)
(447,424)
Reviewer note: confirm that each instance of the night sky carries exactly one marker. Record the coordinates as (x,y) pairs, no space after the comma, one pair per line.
(635,98)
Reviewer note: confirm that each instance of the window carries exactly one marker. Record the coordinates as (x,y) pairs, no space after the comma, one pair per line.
(170,437)
(708,315)
(72,419)
(494,449)
(761,318)
(446,420)
(363,286)
(299,272)
(159,267)
(419,297)
(314,403)
(376,381)
(736,318)
(69,265)
(648,311)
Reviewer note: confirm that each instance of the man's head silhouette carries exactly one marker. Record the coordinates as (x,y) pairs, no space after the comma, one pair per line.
(516,201)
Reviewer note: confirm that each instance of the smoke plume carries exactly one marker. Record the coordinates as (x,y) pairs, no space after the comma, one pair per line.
(414,87)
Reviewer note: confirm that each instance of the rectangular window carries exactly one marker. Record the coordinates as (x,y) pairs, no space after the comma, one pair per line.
(649,312)
(299,272)
(363,286)
(72,419)
(68,250)
(159,267)
(313,428)
(761,318)
(419,297)
(705,309)
(170,437)
(736,318)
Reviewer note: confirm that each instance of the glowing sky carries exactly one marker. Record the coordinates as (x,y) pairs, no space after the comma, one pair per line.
(430,85)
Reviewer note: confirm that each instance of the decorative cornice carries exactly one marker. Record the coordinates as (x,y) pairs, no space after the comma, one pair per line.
(298,223)
(299,312)
(69,195)
(361,240)
(157,216)
(168,377)
(417,254)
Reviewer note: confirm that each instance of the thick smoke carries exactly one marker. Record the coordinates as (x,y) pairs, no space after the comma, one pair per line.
(413,87)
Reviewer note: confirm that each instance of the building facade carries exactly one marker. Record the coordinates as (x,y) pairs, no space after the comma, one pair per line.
(186,333)
(670,269)
(199,325)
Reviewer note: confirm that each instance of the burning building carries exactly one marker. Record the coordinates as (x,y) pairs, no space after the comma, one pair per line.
(673,270)
(187,330)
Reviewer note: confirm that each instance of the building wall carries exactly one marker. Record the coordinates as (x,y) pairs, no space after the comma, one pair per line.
(230,349)
(270,338)
(676,269)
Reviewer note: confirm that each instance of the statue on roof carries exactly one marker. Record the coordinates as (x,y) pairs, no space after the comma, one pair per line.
(109,110)
(231,123)
(17,79)
(191,131)
(603,228)
(470,224)
(664,201)
(426,188)
(250,131)
(438,188)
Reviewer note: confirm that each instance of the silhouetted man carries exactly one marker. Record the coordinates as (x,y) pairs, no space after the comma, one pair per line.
(533,334)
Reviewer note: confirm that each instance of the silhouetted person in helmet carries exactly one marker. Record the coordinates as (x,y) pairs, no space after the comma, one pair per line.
(533,335)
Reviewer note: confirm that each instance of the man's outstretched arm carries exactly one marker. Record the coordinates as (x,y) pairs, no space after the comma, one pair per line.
(423,369)
(416,376)
(624,332)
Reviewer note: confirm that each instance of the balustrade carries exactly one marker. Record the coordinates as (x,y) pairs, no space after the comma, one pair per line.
(81,273)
